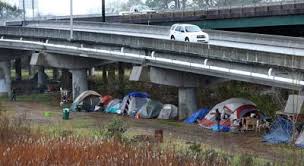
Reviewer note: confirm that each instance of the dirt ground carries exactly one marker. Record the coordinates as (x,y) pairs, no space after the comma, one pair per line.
(249,142)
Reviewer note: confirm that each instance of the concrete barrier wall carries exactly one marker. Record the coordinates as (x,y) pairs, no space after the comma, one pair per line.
(134,28)
(251,38)
(288,61)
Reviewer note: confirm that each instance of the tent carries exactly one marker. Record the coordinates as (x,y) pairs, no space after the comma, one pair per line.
(87,101)
(300,140)
(231,110)
(114,106)
(105,100)
(168,111)
(200,114)
(133,102)
(280,132)
(150,110)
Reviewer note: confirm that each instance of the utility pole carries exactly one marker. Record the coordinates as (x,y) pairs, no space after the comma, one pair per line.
(103,10)
(33,8)
(71,19)
(23,6)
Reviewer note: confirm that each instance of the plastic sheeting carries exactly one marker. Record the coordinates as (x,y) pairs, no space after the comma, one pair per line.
(200,114)
(281,131)
(114,107)
(150,110)
(168,111)
(300,140)
(220,128)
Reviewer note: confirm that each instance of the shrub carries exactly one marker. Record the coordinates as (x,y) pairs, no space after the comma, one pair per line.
(114,129)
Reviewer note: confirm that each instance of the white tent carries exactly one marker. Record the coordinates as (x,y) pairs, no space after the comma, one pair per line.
(168,111)
(300,140)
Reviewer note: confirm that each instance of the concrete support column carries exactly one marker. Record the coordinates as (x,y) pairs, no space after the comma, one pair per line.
(18,69)
(79,82)
(40,79)
(187,102)
(92,71)
(6,71)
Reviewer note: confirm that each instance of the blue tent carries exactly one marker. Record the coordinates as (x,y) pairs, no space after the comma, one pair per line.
(200,114)
(139,94)
(280,132)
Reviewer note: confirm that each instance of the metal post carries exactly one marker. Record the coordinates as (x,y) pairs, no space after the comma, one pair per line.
(33,8)
(103,12)
(71,19)
(23,6)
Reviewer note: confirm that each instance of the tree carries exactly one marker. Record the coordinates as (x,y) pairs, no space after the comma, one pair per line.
(8,11)
(158,4)
(131,3)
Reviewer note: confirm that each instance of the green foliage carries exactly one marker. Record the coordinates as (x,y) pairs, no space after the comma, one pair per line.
(157,4)
(195,148)
(9,11)
(114,129)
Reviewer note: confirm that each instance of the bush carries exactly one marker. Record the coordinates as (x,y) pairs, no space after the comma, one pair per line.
(114,129)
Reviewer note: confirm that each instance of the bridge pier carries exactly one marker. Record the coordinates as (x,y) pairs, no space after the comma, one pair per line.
(187,102)
(79,82)
(5,78)
(18,69)
(186,83)
(41,78)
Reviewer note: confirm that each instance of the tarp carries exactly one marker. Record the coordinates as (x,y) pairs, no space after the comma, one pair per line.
(300,140)
(220,128)
(231,110)
(280,132)
(87,100)
(168,111)
(150,110)
(105,100)
(200,114)
(139,94)
(114,107)
(133,102)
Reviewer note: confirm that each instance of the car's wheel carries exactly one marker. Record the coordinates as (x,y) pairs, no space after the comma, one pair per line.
(172,37)
(187,39)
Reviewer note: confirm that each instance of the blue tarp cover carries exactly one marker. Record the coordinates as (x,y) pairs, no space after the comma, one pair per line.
(215,128)
(139,94)
(281,131)
(200,114)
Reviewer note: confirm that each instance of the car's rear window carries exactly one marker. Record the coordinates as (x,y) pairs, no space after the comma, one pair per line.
(192,29)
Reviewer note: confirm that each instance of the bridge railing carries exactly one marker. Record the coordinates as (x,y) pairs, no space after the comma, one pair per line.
(241,37)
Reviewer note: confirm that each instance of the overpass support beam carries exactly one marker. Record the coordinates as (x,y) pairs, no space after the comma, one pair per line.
(187,102)
(5,78)
(186,83)
(79,82)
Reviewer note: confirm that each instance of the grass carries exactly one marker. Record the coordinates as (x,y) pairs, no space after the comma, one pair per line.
(170,123)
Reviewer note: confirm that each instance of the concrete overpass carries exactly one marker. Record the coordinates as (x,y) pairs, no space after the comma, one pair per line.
(272,18)
(268,61)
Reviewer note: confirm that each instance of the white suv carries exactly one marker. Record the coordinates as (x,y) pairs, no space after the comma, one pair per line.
(188,33)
